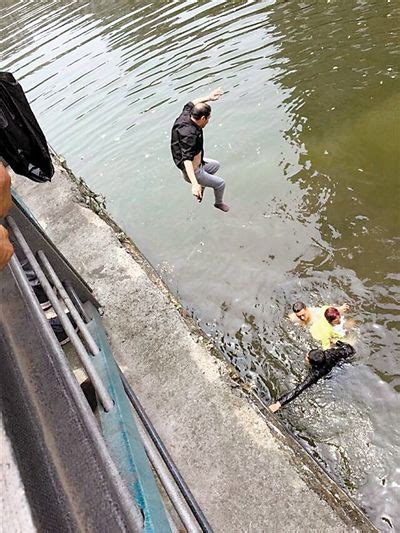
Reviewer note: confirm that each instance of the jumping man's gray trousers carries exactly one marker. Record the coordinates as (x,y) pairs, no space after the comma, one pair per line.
(205,176)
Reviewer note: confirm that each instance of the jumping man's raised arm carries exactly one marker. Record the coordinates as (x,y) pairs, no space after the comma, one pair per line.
(212,97)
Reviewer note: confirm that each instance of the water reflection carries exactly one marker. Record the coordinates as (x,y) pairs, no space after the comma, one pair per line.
(308,137)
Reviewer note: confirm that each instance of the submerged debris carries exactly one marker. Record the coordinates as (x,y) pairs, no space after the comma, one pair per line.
(95,202)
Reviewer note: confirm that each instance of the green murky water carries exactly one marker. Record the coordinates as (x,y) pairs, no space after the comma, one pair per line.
(309,141)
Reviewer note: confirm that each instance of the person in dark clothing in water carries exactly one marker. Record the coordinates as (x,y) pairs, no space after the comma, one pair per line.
(188,151)
(322,362)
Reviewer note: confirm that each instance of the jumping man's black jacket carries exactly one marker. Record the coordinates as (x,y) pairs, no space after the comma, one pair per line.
(186,138)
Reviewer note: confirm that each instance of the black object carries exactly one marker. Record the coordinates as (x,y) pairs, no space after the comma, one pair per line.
(58,329)
(186,138)
(41,295)
(22,143)
(90,394)
(333,356)
(36,286)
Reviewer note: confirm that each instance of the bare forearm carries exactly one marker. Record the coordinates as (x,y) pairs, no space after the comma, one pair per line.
(196,188)
(201,100)
(6,248)
(190,172)
(5,191)
(214,95)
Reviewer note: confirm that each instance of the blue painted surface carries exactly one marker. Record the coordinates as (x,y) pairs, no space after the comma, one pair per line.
(122,436)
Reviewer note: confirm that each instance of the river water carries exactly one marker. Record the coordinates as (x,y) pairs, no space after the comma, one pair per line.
(308,137)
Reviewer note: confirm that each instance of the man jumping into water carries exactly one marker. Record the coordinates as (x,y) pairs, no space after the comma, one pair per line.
(188,151)
(321,363)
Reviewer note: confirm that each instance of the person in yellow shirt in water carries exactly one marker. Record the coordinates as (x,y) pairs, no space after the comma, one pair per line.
(329,328)
(307,316)
(325,330)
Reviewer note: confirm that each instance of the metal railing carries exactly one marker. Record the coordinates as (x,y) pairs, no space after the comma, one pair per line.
(62,297)
(37,396)
(62,315)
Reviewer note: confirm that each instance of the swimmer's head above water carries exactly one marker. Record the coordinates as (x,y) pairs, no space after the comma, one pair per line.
(302,312)
(332,315)
(316,358)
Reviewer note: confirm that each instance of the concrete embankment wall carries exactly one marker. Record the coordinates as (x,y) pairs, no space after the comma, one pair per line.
(245,470)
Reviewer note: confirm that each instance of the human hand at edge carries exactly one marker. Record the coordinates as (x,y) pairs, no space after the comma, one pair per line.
(275,407)
(215,94)
(5,191)
(344,308)
(6,248)
(197,191)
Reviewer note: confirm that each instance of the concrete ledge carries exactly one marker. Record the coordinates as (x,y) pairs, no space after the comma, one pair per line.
(246,471)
